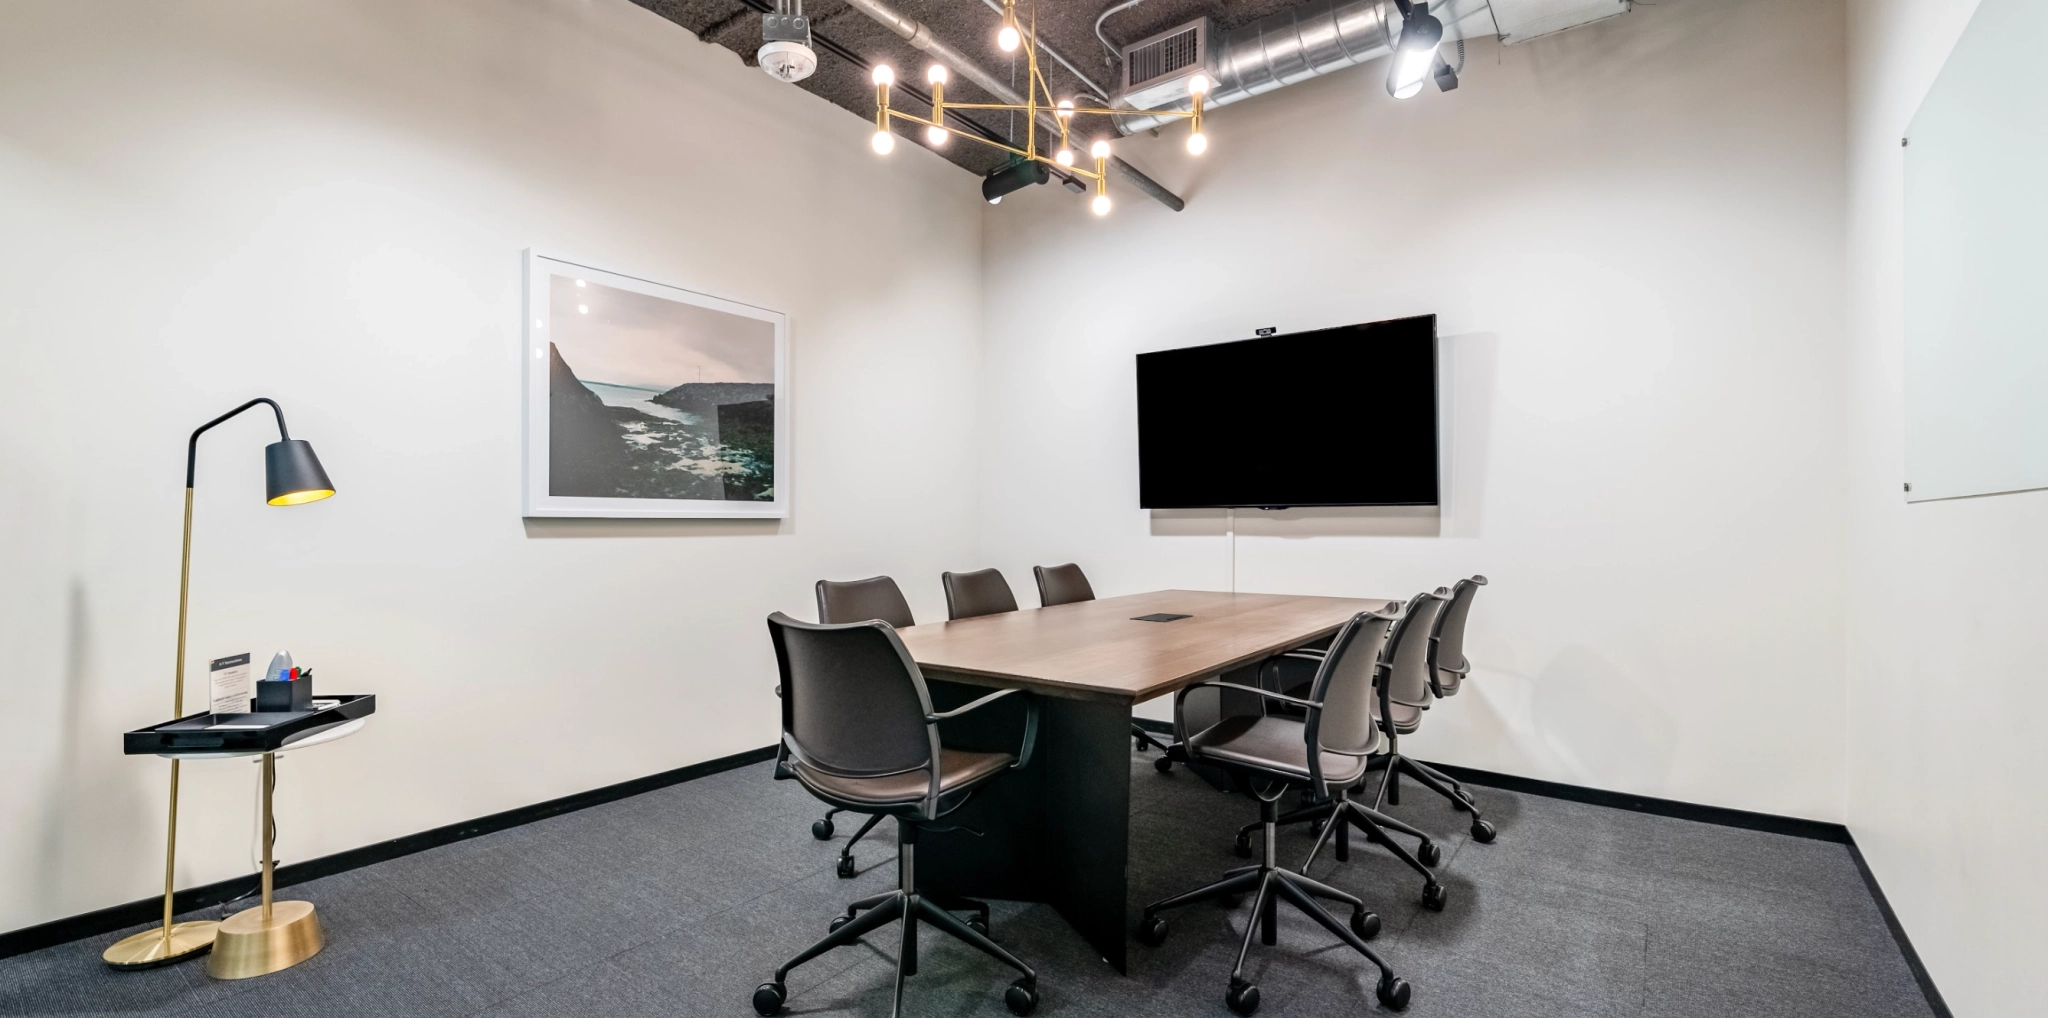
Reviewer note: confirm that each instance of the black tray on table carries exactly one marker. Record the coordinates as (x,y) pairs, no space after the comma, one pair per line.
(245,733)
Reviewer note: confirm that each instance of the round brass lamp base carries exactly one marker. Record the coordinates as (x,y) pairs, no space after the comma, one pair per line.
(149,949)
(249,945)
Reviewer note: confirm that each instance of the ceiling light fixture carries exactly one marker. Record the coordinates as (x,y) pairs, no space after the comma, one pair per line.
(1028,165)
(1415,53)
(1007,36)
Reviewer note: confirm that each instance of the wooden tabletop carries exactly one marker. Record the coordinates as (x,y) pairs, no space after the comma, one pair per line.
(1094,649)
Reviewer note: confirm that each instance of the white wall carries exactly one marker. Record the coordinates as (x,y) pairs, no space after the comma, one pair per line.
(1632,234)
(326,203)
(1947,764)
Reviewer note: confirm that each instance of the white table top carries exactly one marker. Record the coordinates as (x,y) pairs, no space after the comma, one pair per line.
(302,741)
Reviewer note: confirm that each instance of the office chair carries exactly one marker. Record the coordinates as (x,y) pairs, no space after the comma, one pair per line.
(1414,680)
(1337,813)
(839,602)
(981,592)
(1327,749)
(862,736)
(1065,585)
(1411,657)
(1449,667)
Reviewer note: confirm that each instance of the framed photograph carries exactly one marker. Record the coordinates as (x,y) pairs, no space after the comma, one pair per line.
(648,400)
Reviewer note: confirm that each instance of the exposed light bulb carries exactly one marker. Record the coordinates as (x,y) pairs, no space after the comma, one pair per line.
(1064,157)
(1064,110)
(1198,143)
(997,200)
(883,75)
(936,135)
(1008,38)
(883,142)
(1100,205)
(1198,84)
(1099,150)
(579,282)
(936,75)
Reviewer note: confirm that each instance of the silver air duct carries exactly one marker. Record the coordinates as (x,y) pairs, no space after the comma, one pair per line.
(1306,42)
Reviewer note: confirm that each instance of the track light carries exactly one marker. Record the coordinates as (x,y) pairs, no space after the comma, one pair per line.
(1016,176)
(1416,52)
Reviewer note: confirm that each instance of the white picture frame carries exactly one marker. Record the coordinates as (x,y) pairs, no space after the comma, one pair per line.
(668,461)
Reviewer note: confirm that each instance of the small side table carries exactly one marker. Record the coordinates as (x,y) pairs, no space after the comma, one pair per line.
(274,935)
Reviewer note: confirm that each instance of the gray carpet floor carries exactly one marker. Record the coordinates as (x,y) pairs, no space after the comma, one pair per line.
(680,901)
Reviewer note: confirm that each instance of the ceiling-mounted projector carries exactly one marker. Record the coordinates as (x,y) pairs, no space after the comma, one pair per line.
(785,51)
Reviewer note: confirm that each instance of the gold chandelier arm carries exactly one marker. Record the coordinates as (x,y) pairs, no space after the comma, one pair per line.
(1077,171)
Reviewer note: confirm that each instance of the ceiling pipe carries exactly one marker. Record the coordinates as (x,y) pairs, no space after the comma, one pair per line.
(919,36)
(1306,42)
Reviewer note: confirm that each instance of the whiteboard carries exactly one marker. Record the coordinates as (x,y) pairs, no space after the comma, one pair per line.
(1976,264)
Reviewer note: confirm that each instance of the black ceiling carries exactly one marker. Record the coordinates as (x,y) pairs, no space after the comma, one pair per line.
(843,35)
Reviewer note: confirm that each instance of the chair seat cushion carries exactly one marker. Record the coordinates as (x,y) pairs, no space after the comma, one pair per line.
(1275,745)
(1407,718)
(959,770)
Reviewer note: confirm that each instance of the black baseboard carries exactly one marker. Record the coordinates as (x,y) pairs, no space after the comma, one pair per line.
(1935,1003)
(1720,816)
(136,913)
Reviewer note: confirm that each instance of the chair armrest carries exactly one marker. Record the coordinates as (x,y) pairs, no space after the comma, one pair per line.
(975,705)
(1267,693)
(1305,654)
(1030,739)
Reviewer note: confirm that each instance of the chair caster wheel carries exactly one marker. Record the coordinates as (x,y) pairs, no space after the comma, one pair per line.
(1458,801)
(1365,924)
(768,998)
(837,922)
(846,867)
(1430,854)
(1163,764)
(1022,997)
(978,924)
(1434,896)
(1482,831)
(1393,992)
(821,829)
(1243,845)
(1152,931)
(1315,827)
(1243,997)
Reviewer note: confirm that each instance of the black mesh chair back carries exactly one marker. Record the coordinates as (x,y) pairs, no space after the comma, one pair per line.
(1345,685)
(853,702)
(876,597)
(1408,656)
(1062,585)
(1449,665)
(982,592)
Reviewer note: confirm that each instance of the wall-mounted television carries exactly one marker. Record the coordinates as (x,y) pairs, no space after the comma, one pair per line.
(1333,417)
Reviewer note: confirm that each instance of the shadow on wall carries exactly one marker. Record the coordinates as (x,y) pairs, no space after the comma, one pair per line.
(1466,368)
(1599,726)
(88,790)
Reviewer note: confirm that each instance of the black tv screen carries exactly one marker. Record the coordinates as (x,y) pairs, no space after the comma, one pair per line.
(1342,416)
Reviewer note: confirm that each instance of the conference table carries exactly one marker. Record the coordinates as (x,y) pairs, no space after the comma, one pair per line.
(1058,830)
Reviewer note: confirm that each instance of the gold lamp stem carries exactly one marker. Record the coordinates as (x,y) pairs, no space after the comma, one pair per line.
(177,711)
(176,940)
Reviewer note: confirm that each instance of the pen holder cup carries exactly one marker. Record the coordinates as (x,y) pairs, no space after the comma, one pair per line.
(284,697)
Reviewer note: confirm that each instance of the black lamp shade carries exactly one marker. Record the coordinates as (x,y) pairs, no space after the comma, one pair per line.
(293,474)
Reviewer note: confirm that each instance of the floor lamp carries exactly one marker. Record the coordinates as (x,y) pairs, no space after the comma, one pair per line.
(293,476)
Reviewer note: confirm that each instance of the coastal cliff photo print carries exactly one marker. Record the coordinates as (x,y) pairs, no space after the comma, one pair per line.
(648,400)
